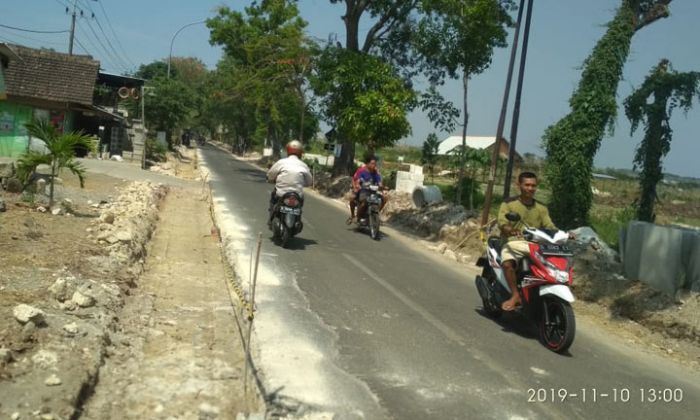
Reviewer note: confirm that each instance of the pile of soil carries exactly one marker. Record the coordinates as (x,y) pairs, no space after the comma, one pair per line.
(58,302)
(658,320)
(454,229)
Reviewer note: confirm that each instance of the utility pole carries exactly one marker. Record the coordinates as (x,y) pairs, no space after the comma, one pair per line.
(501,120)
(516,108)
(72,29)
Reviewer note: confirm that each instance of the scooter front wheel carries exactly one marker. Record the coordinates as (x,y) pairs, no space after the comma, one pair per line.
(374,225)
(557,324)
(491,308)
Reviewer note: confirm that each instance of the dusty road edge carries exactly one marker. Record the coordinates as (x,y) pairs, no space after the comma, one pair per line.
(243,309)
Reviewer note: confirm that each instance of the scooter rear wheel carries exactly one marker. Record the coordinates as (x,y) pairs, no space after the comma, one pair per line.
(557,334)
(285,235)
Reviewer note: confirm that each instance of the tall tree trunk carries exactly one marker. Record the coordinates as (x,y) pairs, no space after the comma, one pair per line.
(274,142)
(301,124)
(652,172)
(572,143)
(343,164)
(463,156)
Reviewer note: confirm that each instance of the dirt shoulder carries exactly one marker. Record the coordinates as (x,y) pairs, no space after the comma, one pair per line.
(97,323)
(64,278)
(177,352)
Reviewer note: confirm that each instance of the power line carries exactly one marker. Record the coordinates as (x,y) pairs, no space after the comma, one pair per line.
(40,41)
(82,47)
(105,49)
(63,3)
(116,38)
(114,51)
(34,30)
(107,58)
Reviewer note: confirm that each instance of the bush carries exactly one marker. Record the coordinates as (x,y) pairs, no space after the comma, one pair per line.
(608,224)
(449,190)
(156,151)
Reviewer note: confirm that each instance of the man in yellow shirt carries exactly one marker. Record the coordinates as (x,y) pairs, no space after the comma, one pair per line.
(534,214)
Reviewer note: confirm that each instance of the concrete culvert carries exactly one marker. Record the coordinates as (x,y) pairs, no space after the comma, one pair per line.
(427,194)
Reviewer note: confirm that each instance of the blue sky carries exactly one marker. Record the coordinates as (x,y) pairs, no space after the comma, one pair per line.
(563,34)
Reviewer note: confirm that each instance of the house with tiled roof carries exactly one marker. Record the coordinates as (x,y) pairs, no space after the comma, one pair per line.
(45,84)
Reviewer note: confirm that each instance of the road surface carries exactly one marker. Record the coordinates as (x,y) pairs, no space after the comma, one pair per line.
(388,330)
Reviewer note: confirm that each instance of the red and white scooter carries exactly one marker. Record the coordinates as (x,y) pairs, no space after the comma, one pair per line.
(543,283)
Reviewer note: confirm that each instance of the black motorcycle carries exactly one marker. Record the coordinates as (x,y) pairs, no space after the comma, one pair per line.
(286,219)
(368,218)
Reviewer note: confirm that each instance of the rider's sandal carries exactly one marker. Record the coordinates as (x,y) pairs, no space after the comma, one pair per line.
(349,221)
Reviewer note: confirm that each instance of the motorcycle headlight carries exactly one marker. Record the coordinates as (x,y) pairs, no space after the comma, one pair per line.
(559,275)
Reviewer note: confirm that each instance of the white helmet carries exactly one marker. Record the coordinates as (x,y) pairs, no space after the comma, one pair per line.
(295,147)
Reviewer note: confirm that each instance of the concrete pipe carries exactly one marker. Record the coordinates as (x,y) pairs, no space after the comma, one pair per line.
(427,194)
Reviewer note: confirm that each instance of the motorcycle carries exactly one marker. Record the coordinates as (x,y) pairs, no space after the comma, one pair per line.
(369,218)
(544,279)
(286,220)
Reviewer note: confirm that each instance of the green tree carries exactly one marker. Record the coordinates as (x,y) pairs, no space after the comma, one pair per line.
(429,153)
(571,143)
(60,154)
(458,37)
(175,102)
(154,70)
(269,52)
(472,162)
(652,104)
(169,103)
(386,43)
(363,97)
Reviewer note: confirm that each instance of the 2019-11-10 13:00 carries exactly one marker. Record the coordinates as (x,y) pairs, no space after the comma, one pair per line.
(594,395)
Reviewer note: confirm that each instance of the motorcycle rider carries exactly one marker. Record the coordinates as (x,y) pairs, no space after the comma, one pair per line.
(354,190)
(290,174)
(368,174)
(534,214)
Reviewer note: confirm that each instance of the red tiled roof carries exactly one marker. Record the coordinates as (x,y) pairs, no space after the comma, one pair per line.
(52,76)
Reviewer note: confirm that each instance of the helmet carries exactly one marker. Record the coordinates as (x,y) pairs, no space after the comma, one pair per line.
(295,147)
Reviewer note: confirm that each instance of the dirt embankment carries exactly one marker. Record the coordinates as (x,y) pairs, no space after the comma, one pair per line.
(64,278)
(634,310)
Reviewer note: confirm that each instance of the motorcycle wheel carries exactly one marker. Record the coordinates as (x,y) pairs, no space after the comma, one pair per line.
(374,225)
(275,227)
(285,235)
(491,308)
(557,334)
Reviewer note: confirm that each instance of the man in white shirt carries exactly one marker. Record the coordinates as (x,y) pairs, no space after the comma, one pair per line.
(290,174)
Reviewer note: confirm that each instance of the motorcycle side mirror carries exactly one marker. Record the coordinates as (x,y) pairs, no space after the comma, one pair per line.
(512,216)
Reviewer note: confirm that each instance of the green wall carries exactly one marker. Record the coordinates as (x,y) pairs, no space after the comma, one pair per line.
(13,134)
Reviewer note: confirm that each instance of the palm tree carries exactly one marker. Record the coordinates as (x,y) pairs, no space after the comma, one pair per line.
(60,153)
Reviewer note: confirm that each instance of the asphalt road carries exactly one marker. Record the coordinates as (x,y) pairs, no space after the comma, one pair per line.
(407,326)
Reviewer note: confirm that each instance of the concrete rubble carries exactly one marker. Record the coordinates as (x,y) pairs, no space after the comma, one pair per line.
(26,313)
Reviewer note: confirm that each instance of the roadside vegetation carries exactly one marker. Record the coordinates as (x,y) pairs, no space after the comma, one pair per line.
(274,84)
